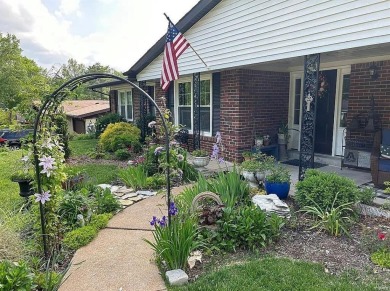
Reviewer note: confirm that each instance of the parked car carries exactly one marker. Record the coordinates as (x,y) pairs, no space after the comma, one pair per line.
(14,139)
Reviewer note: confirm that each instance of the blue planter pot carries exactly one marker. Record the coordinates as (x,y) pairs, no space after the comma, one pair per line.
(280,189)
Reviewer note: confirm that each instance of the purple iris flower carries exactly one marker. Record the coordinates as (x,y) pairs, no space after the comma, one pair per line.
(163,221)
(172,209)
(154,220)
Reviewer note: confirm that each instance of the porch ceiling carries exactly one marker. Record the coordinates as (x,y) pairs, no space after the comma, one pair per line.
(330,59)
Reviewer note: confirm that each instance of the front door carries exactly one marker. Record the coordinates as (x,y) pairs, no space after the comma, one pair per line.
(325,112)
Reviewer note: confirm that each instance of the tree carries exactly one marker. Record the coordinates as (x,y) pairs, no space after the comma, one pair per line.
(21,79)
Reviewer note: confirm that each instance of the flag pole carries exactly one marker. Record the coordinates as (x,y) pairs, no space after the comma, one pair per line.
(188,43)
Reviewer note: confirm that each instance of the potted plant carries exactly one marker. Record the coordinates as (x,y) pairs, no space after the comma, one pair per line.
(266,162)
(201,158)
(247,155)
(248,171)
(277,181)
(259,140)
(283,135)
(24,179)
(266,140)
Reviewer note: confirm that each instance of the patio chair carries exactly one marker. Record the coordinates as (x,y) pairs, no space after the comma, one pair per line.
(380,161)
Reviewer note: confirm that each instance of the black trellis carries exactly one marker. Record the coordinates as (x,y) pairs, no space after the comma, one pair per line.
(310,90)
(143,111)
(51,104)
(196,109)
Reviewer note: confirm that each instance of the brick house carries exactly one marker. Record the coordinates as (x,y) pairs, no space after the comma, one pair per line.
(255,76)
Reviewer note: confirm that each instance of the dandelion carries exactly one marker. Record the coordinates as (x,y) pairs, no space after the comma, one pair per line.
(45,196)
(180,157)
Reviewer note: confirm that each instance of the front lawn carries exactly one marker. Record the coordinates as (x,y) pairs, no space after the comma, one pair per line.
(98,173)
(275,274)
(82,147)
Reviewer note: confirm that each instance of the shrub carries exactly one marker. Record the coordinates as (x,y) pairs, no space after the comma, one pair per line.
(103,121)
(247,227)
(122,154)
(156,181)
(72,204)
(367,195)
(134,177)
(80,237)
(174,242)
(319,189)
(15,276)
(119,136)
(105,202)
(100,221)
(48,280)
(381,258)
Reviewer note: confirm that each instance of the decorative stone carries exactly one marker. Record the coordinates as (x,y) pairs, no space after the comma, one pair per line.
(126,202)
(271,203)
(104,186)
(372,211)
(194,257)
(177,277)
(146,193)
(130,195)
(136,198)
(114,189)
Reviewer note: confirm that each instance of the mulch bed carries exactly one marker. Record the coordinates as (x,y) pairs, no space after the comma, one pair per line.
(336,254)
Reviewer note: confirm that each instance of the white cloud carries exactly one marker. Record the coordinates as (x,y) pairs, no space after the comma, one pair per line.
(68,7)
(119,34)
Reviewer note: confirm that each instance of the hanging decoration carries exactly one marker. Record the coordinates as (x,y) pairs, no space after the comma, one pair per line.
(323,90)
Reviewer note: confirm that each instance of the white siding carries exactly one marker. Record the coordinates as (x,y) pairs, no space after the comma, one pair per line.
(238,33)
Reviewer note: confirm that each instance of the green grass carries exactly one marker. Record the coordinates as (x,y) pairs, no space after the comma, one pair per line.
(98,173)
(275,274)
(82,147)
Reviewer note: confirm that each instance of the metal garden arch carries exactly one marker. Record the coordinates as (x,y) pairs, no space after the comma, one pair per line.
(51,104)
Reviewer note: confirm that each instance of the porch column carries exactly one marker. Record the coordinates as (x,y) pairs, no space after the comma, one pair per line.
(196,108)
(310,90)
(143,110)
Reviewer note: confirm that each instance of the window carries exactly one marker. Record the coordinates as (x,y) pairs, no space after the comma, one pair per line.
(125,105)
(184,105)
(297,100)
(344,101)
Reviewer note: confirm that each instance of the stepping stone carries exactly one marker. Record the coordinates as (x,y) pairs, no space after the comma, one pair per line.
(124,190)
(146,193)
(104,186)
(114,189)
(136,199)
(130,195)
(126,203)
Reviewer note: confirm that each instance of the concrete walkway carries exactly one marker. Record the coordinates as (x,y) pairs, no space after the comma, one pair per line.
(118,258)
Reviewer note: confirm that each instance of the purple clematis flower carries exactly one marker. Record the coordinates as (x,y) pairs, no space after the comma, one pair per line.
(47,162)
(45,196)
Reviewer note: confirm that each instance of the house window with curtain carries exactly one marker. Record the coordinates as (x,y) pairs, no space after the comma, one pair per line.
(344,100)
(184,104)
(125,105)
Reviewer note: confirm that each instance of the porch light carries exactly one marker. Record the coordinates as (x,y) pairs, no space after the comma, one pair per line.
(373,71)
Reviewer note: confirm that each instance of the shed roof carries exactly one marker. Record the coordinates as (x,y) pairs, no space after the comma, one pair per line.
(85,108)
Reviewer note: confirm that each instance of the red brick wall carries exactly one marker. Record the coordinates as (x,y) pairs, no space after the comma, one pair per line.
(252,102)
(361,89)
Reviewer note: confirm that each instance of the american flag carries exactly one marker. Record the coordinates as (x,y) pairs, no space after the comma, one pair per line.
(175,45)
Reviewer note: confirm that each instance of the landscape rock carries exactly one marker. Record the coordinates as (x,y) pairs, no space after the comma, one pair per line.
(136,198)
(130,195)
(177,277)
(104,186)
(146,193)
(272,204)
(126,203)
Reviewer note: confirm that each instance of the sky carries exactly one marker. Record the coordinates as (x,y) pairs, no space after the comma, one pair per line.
(112,32)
